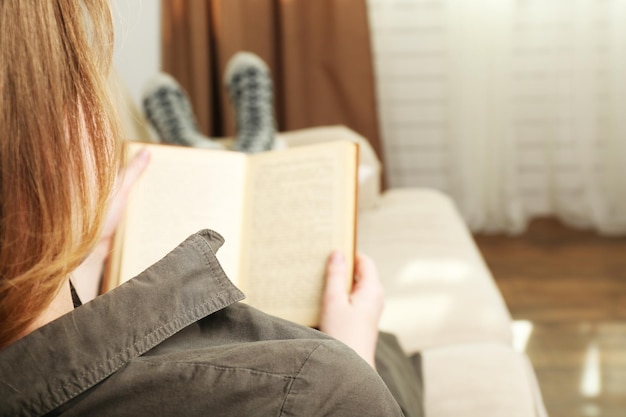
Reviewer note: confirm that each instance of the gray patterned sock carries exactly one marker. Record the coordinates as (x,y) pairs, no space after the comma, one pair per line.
(167,108)
(249,84)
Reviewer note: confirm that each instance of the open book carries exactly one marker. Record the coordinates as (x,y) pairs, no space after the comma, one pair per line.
(281,214)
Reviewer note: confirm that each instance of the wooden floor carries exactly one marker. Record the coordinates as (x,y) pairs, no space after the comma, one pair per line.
(569,288)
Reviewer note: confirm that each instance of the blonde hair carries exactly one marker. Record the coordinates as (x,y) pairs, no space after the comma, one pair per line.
(59,148)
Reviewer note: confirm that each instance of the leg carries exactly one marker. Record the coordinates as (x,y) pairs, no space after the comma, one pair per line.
(167,108)
(249,84)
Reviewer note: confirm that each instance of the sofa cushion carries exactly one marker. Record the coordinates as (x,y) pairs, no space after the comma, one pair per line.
(438,288)
(487,380)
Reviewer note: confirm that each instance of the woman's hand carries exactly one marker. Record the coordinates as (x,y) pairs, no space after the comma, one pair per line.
(86,278)
(353,317)
(124,183)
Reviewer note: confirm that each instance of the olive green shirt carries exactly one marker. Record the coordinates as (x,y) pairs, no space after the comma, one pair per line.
(175,342)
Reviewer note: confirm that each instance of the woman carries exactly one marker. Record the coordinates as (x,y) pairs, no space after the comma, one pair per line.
(174,340)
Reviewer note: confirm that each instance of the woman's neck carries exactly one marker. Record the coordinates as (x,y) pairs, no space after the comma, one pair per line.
(61,304)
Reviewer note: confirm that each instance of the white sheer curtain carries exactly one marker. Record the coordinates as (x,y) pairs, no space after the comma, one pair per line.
(515,108)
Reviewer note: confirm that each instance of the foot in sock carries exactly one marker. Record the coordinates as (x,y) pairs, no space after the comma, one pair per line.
(167,108)
(249,84)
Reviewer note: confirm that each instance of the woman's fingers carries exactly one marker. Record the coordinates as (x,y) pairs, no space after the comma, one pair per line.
(126,179)
(366,281)
(133,171)
(336,273)
(352,316)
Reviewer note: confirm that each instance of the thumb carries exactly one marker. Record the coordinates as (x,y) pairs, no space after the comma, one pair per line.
(336,270)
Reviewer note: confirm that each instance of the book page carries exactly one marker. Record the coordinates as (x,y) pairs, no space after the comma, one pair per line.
(300,206)
(182,191)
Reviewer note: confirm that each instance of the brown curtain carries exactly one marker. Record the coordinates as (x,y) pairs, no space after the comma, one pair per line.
(318,51)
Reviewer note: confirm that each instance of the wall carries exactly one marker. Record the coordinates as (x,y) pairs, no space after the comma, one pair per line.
(137,55)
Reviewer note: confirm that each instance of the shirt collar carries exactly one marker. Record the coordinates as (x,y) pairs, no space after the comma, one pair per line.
(55,363)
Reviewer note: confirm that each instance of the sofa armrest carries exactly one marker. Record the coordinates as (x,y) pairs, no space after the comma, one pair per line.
(369,164)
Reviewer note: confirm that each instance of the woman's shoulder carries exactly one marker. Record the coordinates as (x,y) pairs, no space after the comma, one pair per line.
(269,365)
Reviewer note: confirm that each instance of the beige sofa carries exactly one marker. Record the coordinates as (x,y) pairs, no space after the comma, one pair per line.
(441,299)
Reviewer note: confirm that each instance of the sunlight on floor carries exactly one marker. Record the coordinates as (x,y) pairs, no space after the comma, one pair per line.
(522,329)
(590,382)
(435,270)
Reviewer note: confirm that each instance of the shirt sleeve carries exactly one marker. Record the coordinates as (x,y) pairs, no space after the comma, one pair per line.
(335,381)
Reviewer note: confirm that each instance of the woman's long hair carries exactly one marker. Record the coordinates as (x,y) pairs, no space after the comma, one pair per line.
(59,148)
